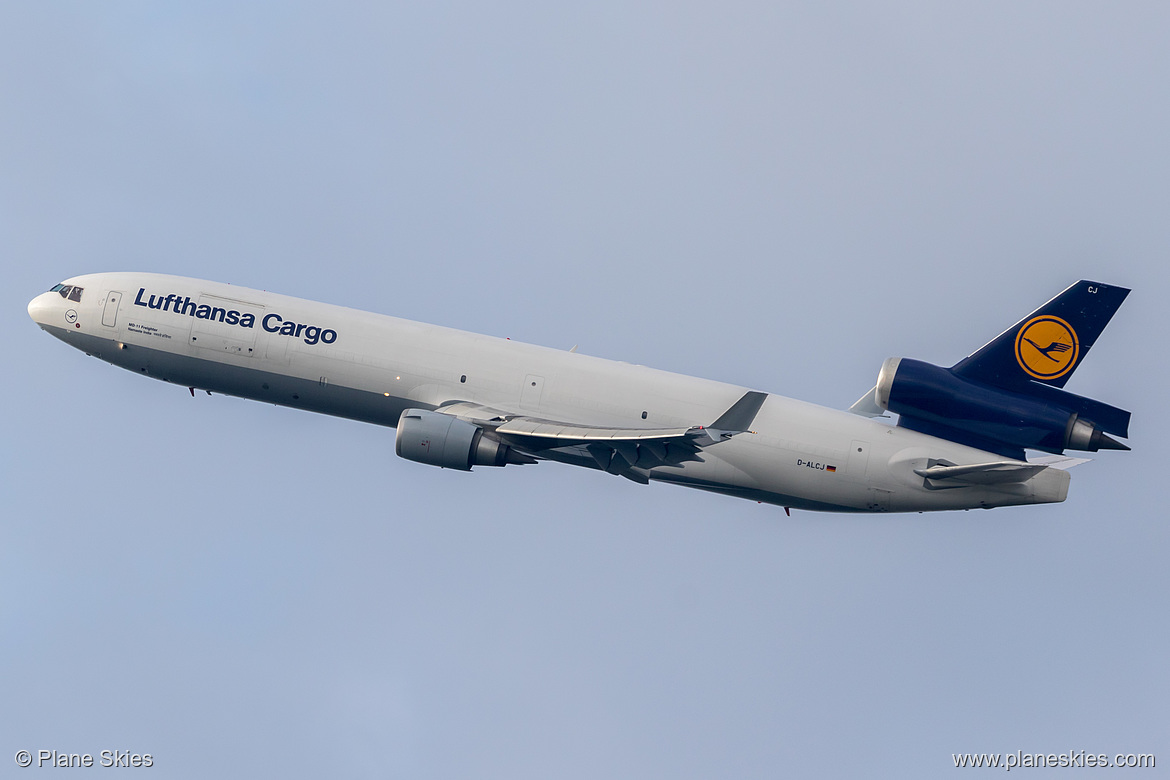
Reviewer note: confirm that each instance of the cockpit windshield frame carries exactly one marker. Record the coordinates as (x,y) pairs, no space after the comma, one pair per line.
(69,292)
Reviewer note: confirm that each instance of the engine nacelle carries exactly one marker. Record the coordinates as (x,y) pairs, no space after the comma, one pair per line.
(447,442)
(936,401)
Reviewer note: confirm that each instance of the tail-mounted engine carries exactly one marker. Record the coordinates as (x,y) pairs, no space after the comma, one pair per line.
(938,402)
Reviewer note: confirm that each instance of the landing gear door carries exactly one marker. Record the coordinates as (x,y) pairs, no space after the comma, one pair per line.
(110,312)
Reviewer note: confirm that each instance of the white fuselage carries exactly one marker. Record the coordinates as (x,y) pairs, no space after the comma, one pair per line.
(371,367)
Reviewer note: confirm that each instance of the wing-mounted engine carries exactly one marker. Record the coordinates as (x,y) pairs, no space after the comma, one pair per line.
(441,440)
(462,434)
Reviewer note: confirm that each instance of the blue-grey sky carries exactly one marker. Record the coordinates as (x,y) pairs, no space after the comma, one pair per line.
(780,197)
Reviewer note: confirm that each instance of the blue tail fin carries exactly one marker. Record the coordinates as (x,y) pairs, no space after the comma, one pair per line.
(1007,397)
(1048,344)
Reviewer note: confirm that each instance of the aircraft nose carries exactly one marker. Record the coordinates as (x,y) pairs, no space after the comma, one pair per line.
(40,307)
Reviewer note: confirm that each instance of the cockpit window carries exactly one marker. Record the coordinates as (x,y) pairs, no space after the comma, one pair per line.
(69,292)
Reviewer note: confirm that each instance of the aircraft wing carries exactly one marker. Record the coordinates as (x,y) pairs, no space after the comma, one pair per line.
(563,432)
(628,452)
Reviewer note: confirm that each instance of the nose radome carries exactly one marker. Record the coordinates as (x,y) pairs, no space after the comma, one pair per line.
(39,308)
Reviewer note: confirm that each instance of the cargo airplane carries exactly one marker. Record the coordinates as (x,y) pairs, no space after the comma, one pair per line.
(460,400)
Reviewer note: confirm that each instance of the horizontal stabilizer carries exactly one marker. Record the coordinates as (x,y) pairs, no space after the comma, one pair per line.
(983,473)
(867,405)
(1062,462)
(1108,418)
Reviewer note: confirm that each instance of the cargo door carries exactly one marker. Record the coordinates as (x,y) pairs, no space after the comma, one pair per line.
(225,325)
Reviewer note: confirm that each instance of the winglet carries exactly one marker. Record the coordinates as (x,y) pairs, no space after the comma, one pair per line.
(741,414)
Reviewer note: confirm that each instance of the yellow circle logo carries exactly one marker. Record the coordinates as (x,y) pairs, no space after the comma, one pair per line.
(1047,347)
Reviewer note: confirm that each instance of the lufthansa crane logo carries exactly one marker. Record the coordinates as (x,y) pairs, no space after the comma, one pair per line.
(1047,347)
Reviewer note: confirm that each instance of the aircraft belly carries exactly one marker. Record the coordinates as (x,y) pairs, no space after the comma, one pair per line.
(245,381)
